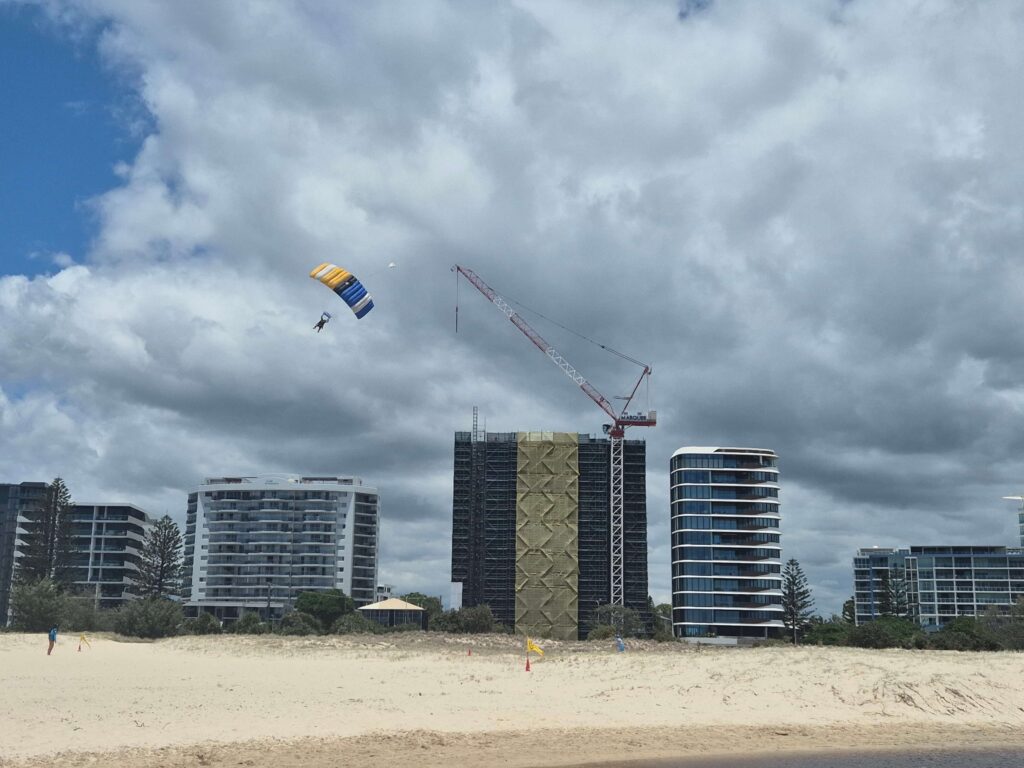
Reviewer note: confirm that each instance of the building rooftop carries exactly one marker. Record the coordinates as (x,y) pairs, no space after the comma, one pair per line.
(392,604)
(283,479)
(715,449)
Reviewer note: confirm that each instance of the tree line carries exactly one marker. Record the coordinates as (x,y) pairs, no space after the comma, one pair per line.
(895,626)
(45,592)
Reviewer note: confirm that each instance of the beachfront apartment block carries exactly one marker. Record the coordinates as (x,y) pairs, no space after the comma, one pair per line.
(531,517)
(106,542)
(256,543)
(106,546)
(726,551)
(17,502)
(934,584)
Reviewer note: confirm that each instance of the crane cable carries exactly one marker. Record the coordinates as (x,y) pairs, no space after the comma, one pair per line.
(605,347)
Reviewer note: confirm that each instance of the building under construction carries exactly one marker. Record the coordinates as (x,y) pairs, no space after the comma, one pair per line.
(531,528)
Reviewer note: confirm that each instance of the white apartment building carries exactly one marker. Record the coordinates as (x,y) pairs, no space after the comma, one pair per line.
(256,543)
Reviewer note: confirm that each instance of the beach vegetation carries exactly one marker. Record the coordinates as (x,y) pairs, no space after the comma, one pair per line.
(47,553)
(81,614)
(149,617)
(850,611)
(602,632)
(299,623)
(1006,627)
(204,624)
(797,602)
(473,621)
(964,633)
(888,632)
(623,620)
(36,606)
(324,607)
(249,624)
(893,598)
(432,605)
(356,624)
(663,623)
(834,631)
(160,564)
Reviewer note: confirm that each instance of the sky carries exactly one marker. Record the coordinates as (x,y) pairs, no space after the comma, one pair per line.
(805,216)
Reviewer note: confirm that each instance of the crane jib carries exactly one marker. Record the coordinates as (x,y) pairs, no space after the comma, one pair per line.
(620,420)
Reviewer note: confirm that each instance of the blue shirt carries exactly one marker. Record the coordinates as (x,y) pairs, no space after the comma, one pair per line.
(53,634)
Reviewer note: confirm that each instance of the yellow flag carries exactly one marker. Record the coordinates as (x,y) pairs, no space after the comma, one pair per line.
(532,646)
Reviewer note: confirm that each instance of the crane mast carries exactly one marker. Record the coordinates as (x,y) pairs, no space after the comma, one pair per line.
(615,430)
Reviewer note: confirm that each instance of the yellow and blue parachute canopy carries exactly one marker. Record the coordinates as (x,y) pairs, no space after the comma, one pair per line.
(345,284)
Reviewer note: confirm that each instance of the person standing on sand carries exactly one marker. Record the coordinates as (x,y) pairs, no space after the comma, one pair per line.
(53,639)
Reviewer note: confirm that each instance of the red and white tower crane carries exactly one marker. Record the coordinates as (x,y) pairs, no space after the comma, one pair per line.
(615,431)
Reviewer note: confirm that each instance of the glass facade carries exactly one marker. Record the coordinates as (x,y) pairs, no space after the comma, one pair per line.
(726,554)
(933,585)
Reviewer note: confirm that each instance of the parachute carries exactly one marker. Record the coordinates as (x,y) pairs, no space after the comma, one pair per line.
(346,285)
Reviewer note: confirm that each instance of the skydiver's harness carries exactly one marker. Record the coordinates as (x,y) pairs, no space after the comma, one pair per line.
(324,317)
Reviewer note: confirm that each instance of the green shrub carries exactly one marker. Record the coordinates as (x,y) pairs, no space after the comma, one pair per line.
(151,617)
(828,633)
(625,620)
(299,623)
(355,624)
(82,615)
(325,607)
(37,606)
(249,624)
(1005,628)
(204,624)
(964,634)
(475,620)
(602,632)
(888,632)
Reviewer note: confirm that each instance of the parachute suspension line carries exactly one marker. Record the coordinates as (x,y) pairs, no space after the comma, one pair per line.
(605,347)
(456,302)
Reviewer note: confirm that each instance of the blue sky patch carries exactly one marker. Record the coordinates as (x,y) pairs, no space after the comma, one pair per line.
(60,139)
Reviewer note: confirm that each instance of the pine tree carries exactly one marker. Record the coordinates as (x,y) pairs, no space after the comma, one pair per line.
(850,611)
(883,596)
(47,553)
(160,566)
(897,599)
(796,598)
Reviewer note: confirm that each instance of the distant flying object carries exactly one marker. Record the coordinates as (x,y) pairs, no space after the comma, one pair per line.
(345,284)
(324,318)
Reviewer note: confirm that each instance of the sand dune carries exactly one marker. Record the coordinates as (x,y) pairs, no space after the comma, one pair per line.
(266,701)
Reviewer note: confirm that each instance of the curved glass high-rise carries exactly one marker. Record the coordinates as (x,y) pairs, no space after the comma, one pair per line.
(726,556)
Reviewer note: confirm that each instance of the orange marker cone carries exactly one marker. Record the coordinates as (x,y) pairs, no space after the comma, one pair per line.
(527,663)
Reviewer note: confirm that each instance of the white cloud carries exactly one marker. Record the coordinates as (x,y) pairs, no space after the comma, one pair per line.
(806,216)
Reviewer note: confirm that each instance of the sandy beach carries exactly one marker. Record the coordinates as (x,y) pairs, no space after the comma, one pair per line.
(271,701)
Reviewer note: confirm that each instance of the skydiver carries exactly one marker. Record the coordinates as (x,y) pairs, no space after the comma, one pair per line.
(322,322)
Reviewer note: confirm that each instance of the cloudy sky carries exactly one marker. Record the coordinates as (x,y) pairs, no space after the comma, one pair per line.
(806,216)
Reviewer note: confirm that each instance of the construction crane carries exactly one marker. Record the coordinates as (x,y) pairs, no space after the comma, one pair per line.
(615,431)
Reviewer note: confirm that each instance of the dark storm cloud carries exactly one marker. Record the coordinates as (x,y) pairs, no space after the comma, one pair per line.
(805,217)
